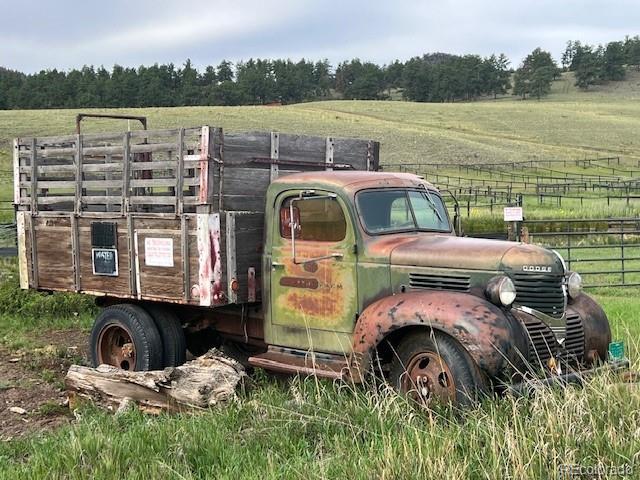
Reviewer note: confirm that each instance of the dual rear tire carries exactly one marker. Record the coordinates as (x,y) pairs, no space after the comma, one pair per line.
(130,337)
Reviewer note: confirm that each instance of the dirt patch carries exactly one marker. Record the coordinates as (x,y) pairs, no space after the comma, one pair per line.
(31,382)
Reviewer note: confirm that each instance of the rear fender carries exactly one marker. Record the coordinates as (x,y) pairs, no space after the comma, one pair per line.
(491,336)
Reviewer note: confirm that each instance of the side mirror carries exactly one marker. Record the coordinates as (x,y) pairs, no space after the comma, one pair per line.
(290,225)
(457,218)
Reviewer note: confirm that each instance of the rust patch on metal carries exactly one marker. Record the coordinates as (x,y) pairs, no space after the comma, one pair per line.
(485,331)
(298,282)
(218,295)
(323,299)
(203,192)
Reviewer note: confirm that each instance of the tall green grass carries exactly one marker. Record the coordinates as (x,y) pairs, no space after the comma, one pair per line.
(310,429)
(306,428)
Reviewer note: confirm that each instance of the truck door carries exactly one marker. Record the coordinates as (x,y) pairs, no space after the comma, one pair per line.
(313,274)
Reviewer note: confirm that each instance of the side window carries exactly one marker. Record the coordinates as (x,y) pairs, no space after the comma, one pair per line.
(320,220)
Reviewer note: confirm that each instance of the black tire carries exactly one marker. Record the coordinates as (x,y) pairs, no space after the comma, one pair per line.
(241,352)
(466,384)
(201,341)
(174,344)
(137,326)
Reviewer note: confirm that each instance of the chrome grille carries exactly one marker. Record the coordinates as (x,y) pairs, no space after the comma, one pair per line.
(574,342)
(459,283)
(542,342)
(541,292)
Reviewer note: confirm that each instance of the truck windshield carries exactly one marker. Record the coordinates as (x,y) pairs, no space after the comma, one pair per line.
(385,211)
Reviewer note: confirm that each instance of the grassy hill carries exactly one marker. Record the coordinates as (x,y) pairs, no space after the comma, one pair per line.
(567,124)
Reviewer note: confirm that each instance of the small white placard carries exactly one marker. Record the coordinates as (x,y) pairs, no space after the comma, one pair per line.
(512,214)
(158,252)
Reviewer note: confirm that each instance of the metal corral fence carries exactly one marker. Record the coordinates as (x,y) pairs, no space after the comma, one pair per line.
(488,185)
(606,251)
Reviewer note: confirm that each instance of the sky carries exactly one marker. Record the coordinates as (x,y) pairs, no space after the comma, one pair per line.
(65,34)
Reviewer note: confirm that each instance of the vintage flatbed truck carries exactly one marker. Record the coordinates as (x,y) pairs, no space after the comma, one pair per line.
(294,254)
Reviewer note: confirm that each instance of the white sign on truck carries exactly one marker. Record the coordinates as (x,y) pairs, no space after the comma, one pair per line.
(158,252)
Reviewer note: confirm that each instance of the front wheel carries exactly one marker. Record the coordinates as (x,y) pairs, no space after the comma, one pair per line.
(434,367)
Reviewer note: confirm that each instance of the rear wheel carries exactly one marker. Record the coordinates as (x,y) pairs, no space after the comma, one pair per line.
(241,352)
(174,345)
(435,368)
(126,337)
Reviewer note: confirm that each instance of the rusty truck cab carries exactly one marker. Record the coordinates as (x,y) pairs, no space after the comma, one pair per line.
(324,267)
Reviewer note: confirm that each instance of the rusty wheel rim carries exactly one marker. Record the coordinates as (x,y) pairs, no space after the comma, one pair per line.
(115,347)
(428,378)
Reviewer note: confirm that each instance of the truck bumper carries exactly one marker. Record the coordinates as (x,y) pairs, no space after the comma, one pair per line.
(578,377)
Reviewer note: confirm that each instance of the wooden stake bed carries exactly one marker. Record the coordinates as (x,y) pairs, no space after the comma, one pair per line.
(164,215)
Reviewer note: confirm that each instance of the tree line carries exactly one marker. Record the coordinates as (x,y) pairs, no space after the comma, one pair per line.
(594,65)
(434,77)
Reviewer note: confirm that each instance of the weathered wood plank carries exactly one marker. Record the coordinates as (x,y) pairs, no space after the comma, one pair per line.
(180,174)
(130,256)
(101,184)
(153,182)
(53,199)
(23,267)
(109,167)
(34,177)
(152,200)
(78,165)
(244,181)
(107,199)
(126,173)
(184,246)
(75,252)
(230,227)
(16,172)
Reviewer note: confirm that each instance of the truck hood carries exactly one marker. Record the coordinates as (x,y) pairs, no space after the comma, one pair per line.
(446,251)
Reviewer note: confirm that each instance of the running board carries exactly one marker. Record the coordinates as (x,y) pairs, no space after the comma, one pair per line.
(287,360)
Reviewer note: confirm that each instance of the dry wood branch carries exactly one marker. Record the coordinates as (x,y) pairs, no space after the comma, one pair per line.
(201,383)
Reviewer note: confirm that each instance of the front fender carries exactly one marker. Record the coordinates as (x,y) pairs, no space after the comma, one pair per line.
(491,336)
(597,332)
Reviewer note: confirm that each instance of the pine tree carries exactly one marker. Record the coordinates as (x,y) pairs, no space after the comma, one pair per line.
(586,66)
(535,75)
(613,61)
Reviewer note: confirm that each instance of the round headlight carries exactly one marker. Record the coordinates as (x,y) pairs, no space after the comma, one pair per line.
(501,291)
(574,284)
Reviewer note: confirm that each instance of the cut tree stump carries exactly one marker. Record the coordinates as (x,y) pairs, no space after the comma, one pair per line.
(201,383)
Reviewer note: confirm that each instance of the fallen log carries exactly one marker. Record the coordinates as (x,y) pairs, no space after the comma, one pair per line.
(201,383)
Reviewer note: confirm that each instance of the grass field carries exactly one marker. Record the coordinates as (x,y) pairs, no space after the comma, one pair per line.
(301,428)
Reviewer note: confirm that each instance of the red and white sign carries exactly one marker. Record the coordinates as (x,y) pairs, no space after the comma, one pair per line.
(158,252)
(512,214)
